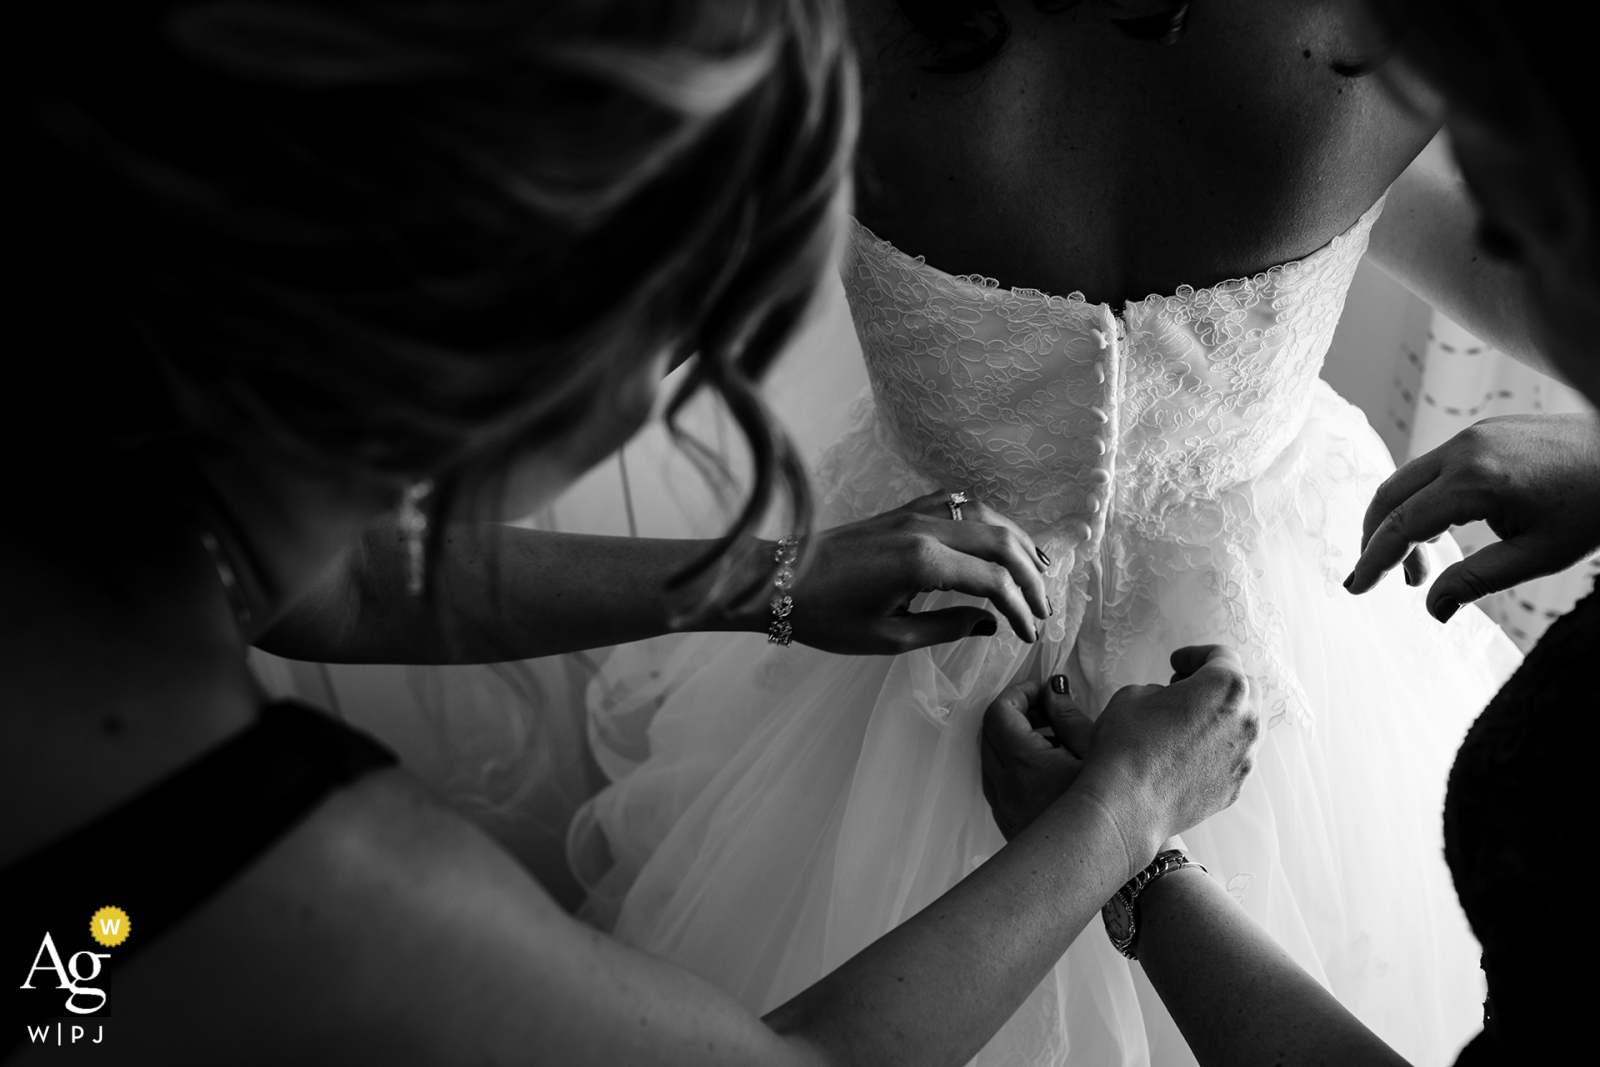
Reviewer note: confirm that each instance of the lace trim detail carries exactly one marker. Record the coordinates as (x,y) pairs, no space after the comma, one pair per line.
(1356,235)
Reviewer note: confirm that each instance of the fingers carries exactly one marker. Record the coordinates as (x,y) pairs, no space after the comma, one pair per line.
(1195,737)
(946,568)
(1496,566)
(1189,659)
(998,544)
(1412,521)
(1220,690)
(1404,483)
(1006,728)
(1011,722)
(1023,771)
(983,513)
(920,629)
(1219,668)
(1015,698)
(1073,728)
(1418,564)
(989,535)
(1224,670)
(937,505)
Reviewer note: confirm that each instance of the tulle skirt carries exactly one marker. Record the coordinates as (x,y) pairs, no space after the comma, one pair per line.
(774,810)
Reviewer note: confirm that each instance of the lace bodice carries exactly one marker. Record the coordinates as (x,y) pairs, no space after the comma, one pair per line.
(1052,408)
(1149,450)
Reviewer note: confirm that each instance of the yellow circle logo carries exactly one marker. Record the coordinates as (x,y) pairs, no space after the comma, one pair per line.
(109,926)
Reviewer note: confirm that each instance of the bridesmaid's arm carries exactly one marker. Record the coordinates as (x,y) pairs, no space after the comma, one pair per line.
(496,593)
(1427,240)
(934,989)
(503,593)
(1237,997)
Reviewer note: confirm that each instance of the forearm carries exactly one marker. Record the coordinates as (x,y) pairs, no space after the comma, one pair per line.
(497,593)
(935,988)
(1427,241)
(1237,997)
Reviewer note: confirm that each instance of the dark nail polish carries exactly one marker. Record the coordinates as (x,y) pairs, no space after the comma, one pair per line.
(1350,579)
(1051,604)
(986,627)
(1058,684)
(1044,557)
(1446,607)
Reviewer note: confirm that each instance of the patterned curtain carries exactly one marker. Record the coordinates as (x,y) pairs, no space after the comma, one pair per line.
(1447,380)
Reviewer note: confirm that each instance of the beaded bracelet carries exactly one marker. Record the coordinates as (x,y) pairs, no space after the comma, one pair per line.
(781,631)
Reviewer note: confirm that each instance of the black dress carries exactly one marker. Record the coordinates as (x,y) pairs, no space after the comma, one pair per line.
(1518,824)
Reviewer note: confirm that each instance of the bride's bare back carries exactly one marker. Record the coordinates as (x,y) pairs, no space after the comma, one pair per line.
(1080,159)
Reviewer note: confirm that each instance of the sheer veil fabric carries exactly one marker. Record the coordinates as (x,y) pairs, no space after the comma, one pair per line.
(772,811)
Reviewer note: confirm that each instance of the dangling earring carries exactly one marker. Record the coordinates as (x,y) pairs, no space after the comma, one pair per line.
(414,525)
(230,581)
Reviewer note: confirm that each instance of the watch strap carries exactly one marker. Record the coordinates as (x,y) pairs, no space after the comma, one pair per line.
(1126,899)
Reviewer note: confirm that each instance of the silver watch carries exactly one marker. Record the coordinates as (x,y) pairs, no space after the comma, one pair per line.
(1120,912)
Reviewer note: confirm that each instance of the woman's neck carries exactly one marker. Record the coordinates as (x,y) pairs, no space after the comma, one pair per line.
(120,664)
(113,676)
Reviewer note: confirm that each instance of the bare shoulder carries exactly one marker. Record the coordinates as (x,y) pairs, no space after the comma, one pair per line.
(385,928)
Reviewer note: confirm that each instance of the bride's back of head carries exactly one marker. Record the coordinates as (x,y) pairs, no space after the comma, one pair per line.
(385,241)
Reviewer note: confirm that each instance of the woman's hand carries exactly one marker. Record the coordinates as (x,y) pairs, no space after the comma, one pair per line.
(1159,759)
(1024,769)
(1535,478)
(855,595)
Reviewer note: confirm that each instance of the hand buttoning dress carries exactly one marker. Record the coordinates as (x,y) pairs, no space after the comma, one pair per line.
(775,810)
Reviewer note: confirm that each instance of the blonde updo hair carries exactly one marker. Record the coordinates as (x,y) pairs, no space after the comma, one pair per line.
(395,240)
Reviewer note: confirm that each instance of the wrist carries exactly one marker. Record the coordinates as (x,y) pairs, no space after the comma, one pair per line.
(748,614)
(1127,808)
(753,613)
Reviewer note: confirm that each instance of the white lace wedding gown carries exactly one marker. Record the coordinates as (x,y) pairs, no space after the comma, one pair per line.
(774,810)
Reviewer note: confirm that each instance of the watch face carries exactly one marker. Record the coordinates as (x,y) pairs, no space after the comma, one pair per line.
(1119,918)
